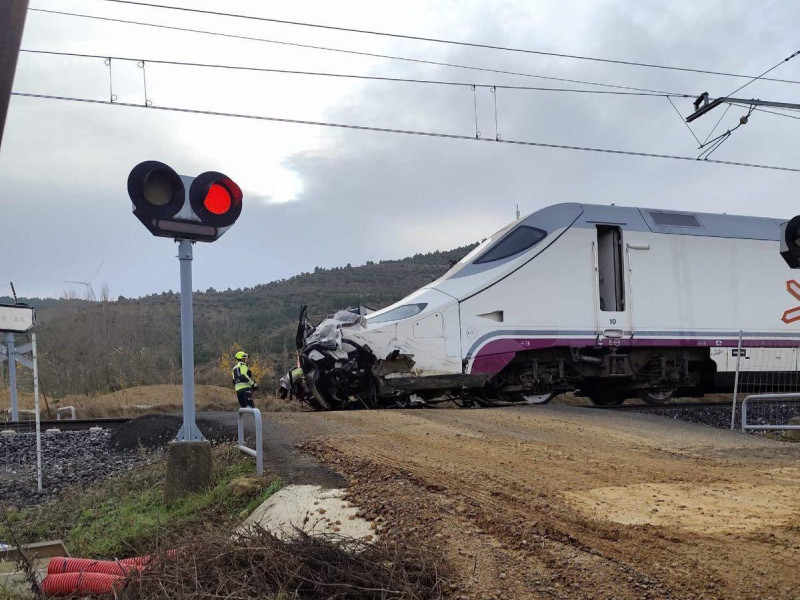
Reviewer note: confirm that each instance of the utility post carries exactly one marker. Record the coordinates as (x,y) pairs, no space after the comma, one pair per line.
(189,430)
(12,22)
(186,210)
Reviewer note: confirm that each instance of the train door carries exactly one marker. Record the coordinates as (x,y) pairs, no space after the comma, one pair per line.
(613,316)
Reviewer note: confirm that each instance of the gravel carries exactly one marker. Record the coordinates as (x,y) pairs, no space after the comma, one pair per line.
(69,458)
(771,413)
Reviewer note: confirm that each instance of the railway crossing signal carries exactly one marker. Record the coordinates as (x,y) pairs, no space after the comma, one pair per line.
(790,242)
(188,210)
(169,205)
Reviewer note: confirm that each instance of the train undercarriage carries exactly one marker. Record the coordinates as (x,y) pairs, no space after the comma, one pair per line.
(343,374)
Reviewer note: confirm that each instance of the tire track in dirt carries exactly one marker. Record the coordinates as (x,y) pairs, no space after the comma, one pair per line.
(493,485)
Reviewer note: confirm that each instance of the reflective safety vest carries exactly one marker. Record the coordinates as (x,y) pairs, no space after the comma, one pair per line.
(296,374)
(241,377)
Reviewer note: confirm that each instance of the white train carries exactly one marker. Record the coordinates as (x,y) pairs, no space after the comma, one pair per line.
(609,302)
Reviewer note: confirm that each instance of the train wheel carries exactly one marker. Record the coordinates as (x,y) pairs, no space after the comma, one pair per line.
(656,395)
(607,399)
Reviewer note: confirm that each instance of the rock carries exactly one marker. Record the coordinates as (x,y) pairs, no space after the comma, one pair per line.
(72,458)
(793,434)
(245,486)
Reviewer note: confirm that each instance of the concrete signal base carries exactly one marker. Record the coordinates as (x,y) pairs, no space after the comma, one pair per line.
(188,469)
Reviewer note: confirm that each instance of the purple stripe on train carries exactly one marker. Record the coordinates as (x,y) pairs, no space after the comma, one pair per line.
(496,354)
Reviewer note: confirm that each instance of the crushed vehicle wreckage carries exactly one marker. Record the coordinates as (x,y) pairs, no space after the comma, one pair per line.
(349,363)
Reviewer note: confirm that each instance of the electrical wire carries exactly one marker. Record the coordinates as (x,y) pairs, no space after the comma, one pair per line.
(770,112)
(443,41)
(354,52)
(347,76)
(785,60)
(680,116)
(430,134)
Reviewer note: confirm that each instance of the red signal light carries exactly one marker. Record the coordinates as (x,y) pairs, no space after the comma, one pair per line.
(215,199)
(218,199)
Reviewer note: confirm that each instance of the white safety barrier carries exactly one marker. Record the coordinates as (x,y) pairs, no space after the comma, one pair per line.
(258,453)
(766,398)
(69,409)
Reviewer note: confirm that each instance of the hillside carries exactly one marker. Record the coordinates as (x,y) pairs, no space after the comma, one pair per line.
(100,347)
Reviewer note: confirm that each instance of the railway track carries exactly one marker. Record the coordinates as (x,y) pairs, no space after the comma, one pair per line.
(675,405)
(64,424)
(657,407)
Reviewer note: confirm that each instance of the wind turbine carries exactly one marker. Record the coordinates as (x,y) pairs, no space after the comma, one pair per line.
(89,291)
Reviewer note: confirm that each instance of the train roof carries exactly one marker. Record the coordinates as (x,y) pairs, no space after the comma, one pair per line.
(656,220)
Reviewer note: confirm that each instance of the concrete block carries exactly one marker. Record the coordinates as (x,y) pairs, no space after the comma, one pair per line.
(793,434)
(188,469)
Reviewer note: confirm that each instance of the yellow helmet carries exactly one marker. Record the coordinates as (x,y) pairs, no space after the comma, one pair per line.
(241,355)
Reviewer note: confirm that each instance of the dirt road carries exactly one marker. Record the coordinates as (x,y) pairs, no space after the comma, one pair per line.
(562,502)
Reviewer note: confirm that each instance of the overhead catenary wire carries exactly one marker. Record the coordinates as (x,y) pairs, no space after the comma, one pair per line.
(445,41)
(431,134)
(355,52)
(470,84)
(757,77)
(775,112)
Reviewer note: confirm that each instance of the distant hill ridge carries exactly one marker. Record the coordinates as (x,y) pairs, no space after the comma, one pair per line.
(98,347)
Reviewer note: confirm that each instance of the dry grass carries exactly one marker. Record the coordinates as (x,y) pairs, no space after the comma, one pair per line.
(149,399)
(259,565)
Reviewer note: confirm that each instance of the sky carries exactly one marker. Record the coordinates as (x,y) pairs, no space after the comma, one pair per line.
(318,196)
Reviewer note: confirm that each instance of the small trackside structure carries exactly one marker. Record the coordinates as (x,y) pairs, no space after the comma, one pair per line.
(21,319)
(609,302)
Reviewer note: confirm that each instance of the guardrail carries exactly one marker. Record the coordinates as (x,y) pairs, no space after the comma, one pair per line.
(258,453)
(768,398)
(69,409)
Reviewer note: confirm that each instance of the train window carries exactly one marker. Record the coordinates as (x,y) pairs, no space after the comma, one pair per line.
(674,219)
(610,268)
(399,313)
(517,240)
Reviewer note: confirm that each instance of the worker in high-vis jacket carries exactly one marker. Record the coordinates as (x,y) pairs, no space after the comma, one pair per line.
(243,381)
(293,384)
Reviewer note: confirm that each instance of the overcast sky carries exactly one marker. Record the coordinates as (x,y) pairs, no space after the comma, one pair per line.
(324,197)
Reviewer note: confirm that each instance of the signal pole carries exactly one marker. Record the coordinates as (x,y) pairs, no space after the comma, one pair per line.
(12,20)
(189,431)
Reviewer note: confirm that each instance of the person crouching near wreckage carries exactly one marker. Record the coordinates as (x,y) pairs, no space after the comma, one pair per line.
(293,385)
(243,382)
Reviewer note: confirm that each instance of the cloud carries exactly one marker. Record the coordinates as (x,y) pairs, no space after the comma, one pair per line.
(325,197)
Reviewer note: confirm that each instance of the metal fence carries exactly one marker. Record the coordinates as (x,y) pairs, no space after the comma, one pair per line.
(258,452)
(767,373)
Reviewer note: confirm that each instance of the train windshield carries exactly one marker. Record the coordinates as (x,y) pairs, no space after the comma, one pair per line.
(515,239)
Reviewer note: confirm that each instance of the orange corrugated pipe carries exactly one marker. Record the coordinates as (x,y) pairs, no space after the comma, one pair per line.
(69,584)
(62,564)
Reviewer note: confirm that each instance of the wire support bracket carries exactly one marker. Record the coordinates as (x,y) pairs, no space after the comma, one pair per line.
(497,136)
(141,65)
(475,107)
(112,96)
